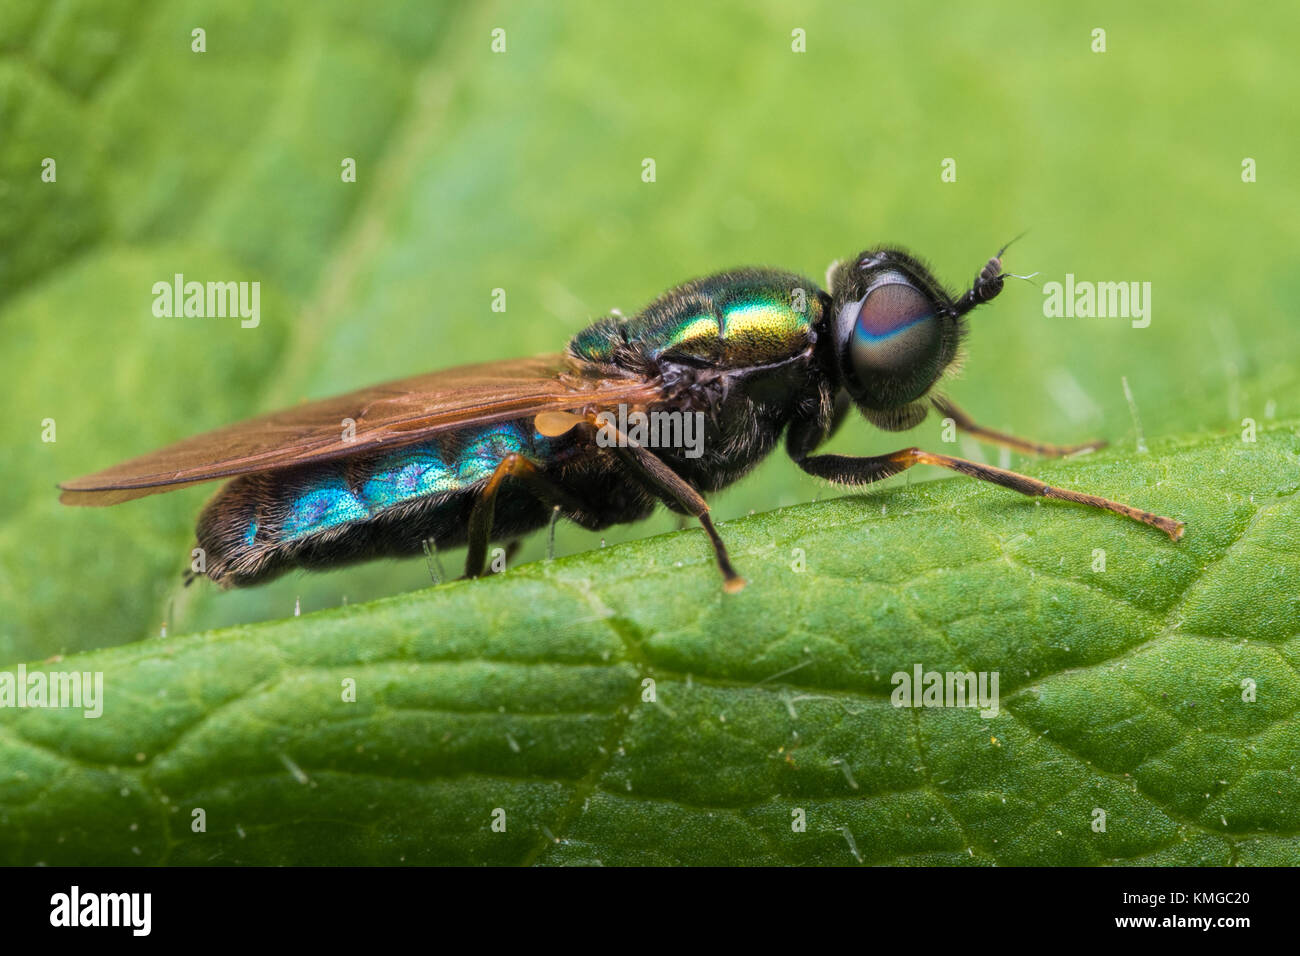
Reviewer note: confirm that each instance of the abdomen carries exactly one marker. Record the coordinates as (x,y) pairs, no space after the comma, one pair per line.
(354,509)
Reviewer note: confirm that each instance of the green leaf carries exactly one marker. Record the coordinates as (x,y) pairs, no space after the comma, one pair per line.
(525,697)
(522,171)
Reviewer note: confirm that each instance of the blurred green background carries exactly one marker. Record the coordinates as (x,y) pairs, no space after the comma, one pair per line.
(522,171)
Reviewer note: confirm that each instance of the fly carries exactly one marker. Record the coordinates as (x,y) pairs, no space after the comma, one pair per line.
(485,453)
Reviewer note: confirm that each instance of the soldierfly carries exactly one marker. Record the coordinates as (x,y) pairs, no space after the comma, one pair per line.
(489,452)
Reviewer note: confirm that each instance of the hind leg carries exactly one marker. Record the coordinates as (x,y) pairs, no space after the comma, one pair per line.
(521,469)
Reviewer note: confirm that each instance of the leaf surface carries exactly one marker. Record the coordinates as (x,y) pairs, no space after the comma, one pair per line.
(617,707)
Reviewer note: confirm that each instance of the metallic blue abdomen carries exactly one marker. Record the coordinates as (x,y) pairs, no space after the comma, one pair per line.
(334,494)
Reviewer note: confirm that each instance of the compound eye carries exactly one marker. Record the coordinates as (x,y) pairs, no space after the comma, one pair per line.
(896,333)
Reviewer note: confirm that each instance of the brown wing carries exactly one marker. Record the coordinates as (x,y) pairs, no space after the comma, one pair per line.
(390,415)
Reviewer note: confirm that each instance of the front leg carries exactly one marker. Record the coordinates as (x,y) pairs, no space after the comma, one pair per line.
(846,470)
(964,422)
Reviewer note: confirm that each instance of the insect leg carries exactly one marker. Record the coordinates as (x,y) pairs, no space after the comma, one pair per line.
(846,470)
(480,520)
(964,422)
(658,478)
(677,490)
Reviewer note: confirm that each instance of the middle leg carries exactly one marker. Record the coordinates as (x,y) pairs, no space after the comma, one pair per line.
(645,467)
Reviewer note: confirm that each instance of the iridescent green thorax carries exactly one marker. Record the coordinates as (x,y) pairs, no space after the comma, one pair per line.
(735,319)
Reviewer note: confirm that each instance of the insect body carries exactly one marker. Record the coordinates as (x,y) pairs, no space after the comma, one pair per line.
(487,453)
